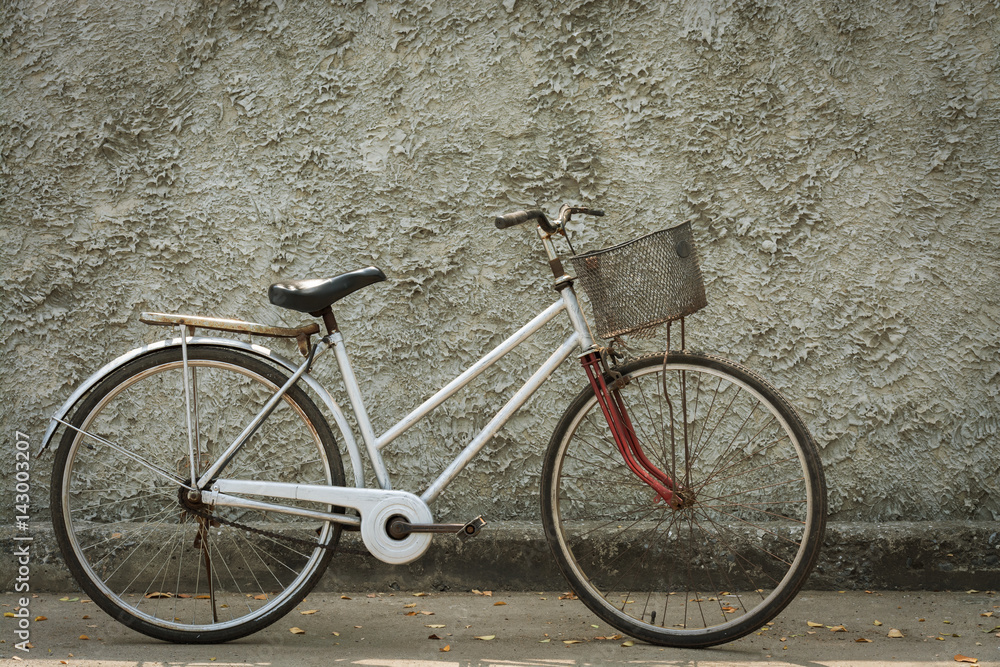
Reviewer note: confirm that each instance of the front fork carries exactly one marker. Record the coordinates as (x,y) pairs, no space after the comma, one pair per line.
(628,445)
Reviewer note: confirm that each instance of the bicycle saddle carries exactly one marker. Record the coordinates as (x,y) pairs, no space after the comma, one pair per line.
(312,296)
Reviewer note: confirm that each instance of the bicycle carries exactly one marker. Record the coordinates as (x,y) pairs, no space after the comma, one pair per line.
(198,492)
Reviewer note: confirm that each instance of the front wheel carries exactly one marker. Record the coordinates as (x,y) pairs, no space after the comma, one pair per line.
(738,544)
(148,554)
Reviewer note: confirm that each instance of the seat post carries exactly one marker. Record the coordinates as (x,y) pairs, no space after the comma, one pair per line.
(328,319)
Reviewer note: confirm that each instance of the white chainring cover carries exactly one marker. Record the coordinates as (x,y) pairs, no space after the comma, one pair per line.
(375,533)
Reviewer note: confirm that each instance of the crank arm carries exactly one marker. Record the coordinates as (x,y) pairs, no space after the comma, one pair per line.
(399,528)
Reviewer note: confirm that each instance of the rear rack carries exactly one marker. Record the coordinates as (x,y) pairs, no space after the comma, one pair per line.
(301,334)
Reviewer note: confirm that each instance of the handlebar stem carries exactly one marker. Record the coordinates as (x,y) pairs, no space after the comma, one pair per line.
(558,272)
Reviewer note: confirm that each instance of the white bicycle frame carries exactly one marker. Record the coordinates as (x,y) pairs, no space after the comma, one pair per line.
(375,506)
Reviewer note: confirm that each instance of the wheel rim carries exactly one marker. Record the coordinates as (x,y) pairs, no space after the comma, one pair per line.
(726,557)
(134,541)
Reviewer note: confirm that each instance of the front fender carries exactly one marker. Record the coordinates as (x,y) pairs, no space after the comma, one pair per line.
(257,350)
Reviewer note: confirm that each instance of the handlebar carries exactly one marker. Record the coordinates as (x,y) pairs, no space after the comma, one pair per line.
(519,217)
(565,214)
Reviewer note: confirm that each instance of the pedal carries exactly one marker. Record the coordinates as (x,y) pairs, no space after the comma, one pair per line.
(472,528)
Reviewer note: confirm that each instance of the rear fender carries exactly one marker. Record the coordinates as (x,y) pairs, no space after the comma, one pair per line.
(257,350)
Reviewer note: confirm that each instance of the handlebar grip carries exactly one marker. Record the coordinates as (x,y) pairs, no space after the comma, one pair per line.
(518,217)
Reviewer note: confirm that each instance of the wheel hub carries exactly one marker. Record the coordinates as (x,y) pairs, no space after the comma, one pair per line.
(190,499)
(682,499)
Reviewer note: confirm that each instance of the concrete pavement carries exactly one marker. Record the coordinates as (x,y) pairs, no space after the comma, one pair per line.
(373,628)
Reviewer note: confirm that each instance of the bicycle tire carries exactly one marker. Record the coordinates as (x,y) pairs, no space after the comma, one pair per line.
(126,536)
(752,524)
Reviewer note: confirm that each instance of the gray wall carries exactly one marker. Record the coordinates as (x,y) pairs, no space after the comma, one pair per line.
(839,161)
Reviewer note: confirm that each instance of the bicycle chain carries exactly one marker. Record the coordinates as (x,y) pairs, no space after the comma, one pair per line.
(287,538)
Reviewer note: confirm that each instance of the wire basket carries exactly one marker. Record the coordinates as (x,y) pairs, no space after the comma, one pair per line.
(638,285)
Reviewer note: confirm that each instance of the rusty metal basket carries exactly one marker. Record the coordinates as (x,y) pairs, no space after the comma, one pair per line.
(638,285)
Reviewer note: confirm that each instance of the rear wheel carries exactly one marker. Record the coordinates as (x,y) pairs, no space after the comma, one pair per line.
(751,517)
(140,548)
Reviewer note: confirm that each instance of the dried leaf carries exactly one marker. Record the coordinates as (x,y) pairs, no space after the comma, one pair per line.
(965,658)
(116,536)
(544,641)
(297,631)
(895,634)
(309,612)
(372,595)
(628,643)
(499,604)
(84,637)
(838,628)
(569,595)
(445,649)
(209,597)
(862,640)
(814,625)
(987,614)
(410,606)
(184,595)
(572,641)
(344,597)
(477,592)
(158,594)
(410,613)
(433,637)
(728,609)
(486,638)
(435,625)
(335,633)
(260,596)
(940,639)
(427,613)
(877,623)
(420,595)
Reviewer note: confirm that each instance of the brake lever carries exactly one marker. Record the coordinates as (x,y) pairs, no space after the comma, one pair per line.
(566,212)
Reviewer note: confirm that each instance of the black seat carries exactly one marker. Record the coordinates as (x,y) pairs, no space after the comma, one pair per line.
(312,296)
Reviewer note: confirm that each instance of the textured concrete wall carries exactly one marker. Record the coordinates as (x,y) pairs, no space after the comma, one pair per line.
(839,161)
